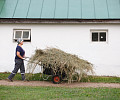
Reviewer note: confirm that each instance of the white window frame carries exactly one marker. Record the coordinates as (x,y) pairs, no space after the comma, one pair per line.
(99,31)
(14,33)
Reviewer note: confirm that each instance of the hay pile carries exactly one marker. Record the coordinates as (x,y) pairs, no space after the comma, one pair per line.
(59,60)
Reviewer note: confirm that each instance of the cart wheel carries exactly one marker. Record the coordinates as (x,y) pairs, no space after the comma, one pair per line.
(56,79)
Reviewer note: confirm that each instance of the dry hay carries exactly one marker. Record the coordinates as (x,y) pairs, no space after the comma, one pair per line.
(60,61)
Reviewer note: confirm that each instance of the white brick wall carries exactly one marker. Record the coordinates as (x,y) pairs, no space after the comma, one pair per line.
(75,39)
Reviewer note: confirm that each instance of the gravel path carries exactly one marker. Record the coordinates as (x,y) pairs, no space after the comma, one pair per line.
(72,85)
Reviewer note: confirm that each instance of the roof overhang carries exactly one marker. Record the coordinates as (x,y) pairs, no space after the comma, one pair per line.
(58,21)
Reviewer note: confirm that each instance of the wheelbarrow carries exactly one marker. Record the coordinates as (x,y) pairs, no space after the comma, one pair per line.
(56,77)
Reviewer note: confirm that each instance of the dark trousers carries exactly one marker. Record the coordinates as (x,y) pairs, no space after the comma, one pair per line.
(19,64)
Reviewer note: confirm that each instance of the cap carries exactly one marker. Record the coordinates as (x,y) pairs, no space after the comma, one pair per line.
(19,40)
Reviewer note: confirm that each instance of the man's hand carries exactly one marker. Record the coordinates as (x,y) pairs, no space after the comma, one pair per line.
(23,58)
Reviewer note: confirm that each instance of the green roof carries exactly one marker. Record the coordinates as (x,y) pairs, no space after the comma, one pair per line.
(60,9)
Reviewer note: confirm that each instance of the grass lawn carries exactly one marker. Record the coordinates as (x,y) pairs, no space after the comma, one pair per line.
(57,93)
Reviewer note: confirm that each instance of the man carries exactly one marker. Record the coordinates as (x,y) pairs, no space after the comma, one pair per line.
(19,61)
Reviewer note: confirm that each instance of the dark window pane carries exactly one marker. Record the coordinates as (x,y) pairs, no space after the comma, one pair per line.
(95,36)
(25,34)
(18,34)
(102,36)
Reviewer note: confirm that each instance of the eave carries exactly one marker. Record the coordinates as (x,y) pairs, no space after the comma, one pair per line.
(58,21)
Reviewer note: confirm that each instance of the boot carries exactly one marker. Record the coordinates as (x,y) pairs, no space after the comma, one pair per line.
(10,77)
(23,77)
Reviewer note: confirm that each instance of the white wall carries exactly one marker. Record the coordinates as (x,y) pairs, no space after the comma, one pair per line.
(75,39)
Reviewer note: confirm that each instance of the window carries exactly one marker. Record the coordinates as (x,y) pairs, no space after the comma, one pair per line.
(25,34)
(99,36)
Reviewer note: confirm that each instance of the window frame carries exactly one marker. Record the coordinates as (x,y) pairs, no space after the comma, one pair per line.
(99,31)
(25,39)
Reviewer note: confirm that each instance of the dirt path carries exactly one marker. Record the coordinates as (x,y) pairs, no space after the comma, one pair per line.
(72,85)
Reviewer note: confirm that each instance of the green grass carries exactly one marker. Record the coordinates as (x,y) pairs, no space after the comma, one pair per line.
(60,93)
(103,79)
(35,77)
(57,93)
(98,79)
(5,75)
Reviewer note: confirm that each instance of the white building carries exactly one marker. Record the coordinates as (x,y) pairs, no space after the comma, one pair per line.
(91,32)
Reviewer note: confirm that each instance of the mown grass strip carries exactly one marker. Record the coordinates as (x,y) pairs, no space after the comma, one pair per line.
(57,93)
